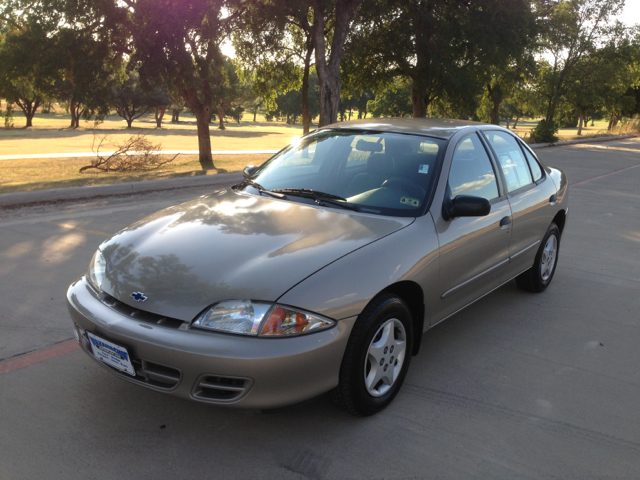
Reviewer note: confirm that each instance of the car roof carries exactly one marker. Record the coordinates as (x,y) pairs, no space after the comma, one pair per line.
(435,127)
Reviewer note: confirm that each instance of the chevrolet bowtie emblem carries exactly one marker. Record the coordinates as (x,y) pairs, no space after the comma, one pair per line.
(138,296)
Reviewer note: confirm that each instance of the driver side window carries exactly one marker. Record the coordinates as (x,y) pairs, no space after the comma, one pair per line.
(471,170)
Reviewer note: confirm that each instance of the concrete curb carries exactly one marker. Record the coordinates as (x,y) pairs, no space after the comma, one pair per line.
(585,140)
(79,193)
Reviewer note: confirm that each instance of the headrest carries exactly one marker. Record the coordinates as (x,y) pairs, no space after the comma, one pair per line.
(381,164)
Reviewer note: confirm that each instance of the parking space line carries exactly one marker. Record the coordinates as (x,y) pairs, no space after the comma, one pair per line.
(29,359)
(602,176)
(607,147)
(80,229)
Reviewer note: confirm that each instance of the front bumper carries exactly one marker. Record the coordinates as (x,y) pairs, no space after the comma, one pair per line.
(211,367)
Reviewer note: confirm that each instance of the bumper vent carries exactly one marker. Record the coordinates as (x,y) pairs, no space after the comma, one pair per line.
(138,314)
(213,388)
(159,376)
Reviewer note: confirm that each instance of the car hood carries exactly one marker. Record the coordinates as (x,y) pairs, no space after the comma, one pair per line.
(230,245)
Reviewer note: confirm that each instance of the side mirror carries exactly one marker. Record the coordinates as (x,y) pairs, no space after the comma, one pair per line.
(248,170)
(466,206)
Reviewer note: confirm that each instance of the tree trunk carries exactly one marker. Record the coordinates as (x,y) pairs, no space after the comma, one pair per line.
(306,111)
(159,115)
(73,111)
(221,119)
(329,69)
(515,124)
(204,138)
(202,112)
(255,112)
(29,106)
(508,119)
(580,123)
(418,99)
(129,121)
(495,119)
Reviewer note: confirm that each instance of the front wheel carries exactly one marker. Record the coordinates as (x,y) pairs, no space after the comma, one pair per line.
(538,277)
(377,357)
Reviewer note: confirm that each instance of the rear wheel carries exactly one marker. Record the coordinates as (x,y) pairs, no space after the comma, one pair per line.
(377,357)
(538,277)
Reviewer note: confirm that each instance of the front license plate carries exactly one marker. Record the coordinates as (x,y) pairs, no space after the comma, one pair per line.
(111,354)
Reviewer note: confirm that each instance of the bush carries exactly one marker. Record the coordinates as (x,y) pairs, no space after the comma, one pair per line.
(545,132)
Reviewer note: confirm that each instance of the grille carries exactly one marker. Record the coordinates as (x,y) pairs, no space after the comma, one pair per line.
(138,314)
(154,374)
(147,373)
(215,388)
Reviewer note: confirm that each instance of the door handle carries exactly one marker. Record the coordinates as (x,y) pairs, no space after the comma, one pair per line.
(505,222)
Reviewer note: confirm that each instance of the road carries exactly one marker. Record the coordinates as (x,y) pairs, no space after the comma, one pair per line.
(516,386)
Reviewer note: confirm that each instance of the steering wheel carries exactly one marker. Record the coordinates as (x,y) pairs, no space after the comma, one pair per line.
(410,187)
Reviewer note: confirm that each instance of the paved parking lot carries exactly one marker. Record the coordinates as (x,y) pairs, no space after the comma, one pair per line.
(516,386)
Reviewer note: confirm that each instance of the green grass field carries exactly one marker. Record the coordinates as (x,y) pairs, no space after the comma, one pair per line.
(51,134)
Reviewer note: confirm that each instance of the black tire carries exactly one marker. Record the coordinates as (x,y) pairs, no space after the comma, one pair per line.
(381,315)
(533,280)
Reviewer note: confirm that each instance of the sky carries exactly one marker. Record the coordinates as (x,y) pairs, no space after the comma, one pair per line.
(631,13)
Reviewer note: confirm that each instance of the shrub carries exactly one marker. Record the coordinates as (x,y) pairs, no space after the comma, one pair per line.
(545,132)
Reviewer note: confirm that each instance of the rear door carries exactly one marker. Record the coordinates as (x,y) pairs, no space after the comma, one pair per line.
(530,193)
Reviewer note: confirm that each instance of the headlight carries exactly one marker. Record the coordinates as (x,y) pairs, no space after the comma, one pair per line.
(96,270)
(257,318)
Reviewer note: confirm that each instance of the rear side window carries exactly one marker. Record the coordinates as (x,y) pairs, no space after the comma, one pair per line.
(471,170)
(535,166)
(514,166)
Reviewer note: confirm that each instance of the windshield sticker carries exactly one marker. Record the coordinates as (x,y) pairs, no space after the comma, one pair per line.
(423,169)
(414,202)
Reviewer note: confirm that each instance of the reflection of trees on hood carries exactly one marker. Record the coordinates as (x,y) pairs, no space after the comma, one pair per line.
(164,276)
(239,215)
(233,214)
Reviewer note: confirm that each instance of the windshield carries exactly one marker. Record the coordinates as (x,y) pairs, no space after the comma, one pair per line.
(383,173)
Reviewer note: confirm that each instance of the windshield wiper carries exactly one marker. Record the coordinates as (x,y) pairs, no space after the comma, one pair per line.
(307,192)
(262,190)
(321,198)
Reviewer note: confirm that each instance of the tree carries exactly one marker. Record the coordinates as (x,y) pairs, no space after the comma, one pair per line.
(291,106)
(178,43)
(129,99)
(394,101)
(338,14)
(274,50)
(326,24)
(85,67)
(442,47)
(66,45)
(25,79)
(228,93)
(176,105)
(572,30)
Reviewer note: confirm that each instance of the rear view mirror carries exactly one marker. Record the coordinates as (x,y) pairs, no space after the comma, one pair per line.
(364,146)
(249,170)
(466,206)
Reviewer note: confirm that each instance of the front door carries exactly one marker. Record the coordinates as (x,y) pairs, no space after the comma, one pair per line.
(474,251)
